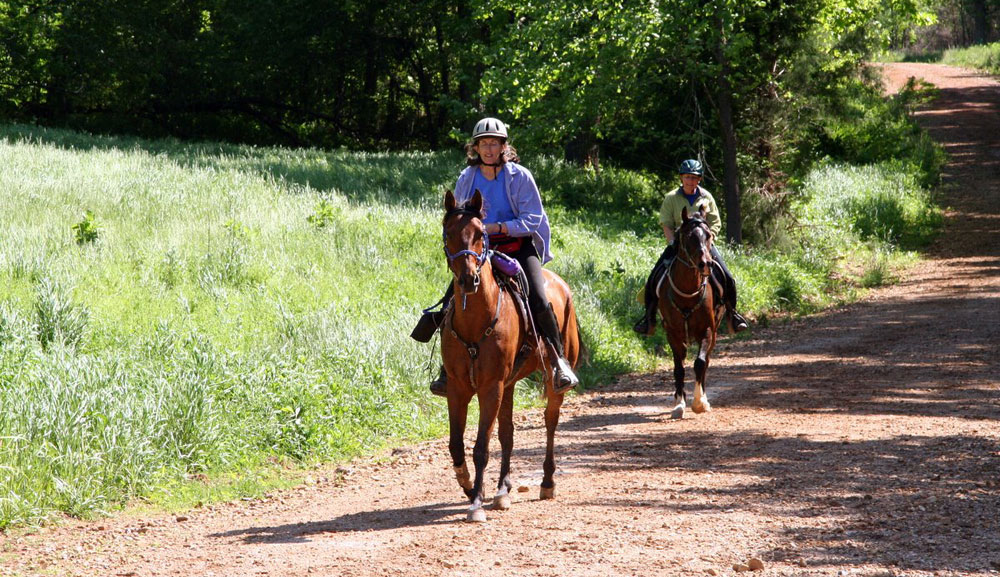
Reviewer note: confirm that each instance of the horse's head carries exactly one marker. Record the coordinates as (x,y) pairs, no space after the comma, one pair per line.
(465,242)
(694,241)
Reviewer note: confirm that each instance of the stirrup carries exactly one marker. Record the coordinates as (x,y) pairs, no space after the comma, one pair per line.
(439,386)
(563,378)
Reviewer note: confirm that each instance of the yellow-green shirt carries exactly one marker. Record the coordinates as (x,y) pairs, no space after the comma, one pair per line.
(675,202)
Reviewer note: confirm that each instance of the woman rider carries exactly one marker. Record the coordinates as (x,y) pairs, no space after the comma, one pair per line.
(692,197)
(517,225)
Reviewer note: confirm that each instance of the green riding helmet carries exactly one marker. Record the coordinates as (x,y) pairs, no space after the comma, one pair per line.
(691,166)
(489,127)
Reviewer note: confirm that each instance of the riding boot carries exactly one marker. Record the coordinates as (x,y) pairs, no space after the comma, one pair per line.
(565,378)
(439,386)
(427,325)
(736,322)
(646,326)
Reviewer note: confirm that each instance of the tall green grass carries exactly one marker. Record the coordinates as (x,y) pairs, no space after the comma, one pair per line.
(985,57)
(170,309)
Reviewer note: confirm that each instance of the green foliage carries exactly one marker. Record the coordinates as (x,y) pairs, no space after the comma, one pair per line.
(324,214)
(86,230)
(368,75)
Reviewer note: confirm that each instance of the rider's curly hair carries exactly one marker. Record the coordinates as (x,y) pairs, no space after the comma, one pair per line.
(472,157)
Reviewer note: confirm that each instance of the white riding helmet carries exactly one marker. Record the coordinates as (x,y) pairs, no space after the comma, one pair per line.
(489,127)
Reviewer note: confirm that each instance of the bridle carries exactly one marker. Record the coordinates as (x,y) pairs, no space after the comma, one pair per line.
(684,257)
(480,256)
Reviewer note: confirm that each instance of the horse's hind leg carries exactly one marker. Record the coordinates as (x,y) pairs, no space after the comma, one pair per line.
(700,404)
(680,355)
(506,434)
(552,407)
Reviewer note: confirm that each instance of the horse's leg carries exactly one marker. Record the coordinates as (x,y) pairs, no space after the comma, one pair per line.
(552,406)
(680,355)
(700,404)
(506,434)
(489,406)
(457,412)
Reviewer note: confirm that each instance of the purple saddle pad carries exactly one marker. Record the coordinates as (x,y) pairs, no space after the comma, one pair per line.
(505,264)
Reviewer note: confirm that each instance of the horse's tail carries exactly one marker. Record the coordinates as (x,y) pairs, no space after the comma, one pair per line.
(584,356)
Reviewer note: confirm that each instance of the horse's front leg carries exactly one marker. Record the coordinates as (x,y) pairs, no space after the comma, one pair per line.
(679,351)
(489,407)
(552,407)
(457,413)
(700,404)
(506,434)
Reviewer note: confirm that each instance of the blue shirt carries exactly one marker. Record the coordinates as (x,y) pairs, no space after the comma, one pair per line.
(495,202)
(522,194)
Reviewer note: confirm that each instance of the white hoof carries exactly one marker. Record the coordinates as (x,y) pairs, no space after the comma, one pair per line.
(501,502)
(476,515)
(702,406)
(546,493)
(678,412)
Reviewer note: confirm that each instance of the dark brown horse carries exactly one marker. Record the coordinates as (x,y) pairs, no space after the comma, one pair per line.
(689,309)
(481,339)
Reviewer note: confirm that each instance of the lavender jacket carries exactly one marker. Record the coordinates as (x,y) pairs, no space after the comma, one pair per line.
(522,192)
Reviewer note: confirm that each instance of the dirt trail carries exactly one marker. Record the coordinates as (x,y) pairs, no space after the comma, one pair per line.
(863,441)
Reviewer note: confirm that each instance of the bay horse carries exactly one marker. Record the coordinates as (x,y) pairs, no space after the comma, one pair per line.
(486,348)
(689,309)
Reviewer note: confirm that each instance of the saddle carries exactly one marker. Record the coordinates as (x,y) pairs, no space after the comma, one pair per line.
(511,278)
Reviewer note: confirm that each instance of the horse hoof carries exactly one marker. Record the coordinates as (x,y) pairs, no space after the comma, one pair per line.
(501,502)
(678,412)
(477,515)
(702,407)
(547,493)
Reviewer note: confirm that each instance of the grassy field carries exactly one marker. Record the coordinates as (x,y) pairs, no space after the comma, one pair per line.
(172,313)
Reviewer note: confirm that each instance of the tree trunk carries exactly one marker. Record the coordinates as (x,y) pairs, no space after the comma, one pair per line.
(980,22)
(731,180)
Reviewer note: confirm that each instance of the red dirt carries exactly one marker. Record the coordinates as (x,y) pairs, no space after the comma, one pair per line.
(861,441)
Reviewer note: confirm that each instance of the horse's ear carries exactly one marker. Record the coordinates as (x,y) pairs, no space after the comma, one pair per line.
(449,201)
(476,204)
(703,212)
(684,214)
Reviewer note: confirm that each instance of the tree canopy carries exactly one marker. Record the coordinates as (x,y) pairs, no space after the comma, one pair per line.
(647,83)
